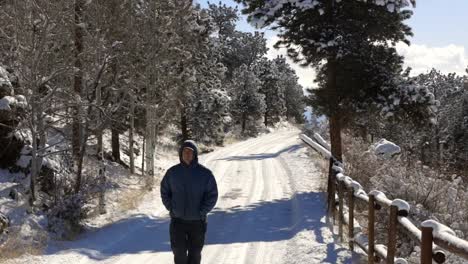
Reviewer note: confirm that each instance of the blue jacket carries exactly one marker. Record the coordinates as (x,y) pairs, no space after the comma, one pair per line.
(189,192)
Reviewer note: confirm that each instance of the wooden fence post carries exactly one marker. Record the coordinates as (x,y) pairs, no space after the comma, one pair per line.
(332,195)
(351,219)
(340,212)
(426,245)
(329,191)
(392,234)
(371,229)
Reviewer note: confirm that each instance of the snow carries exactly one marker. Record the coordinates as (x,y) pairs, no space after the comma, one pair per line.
(361,194)
(338,168)
(23,161)
(356,187)
(4,80)
(348,181)
(50,163)
(323,151)
(270,210)
(385,149)
(6,102)
(26,150)
(381,197)
(377,194)
(340,177)
(21,101)
(447,235)
(400,261)
(362,240)
(322,141)
(410,227)
(438,228)
(401,204)
(381,250)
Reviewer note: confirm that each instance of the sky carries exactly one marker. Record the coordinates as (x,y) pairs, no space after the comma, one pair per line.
(440,38)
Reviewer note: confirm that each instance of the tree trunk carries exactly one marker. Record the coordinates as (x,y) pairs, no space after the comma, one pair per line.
(83,140)
(266,119)
(335,137)
(38,146)
(335,111)
(183,125)
(244,120)
(143,157)
(100,155)
(335,118)
(115,144)
(32,183)
(150,146)
(77,85)
(130,134)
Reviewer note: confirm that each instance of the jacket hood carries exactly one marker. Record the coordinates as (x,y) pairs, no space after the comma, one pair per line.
(191,144)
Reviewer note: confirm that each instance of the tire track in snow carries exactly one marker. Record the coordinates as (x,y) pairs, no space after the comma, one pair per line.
(260,176)
(214,255)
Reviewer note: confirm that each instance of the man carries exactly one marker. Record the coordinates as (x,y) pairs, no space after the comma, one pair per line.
(189,192)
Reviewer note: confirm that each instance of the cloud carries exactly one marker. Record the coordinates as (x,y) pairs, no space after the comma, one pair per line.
(306,74)
(422,58)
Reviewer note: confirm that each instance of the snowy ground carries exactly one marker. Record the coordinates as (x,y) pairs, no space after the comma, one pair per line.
(270,211)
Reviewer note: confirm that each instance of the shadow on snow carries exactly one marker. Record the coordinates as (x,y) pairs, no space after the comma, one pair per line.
(262,156)
(268,221)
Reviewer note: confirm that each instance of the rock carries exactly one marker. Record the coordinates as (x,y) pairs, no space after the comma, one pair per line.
(4,223)
(11,148)
(6,89)
(14,79)
(11,110)
(14,195)
(385,149)
(45,180)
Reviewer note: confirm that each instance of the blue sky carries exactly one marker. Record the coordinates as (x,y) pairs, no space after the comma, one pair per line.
(440,39)
(440,22)
(434,23)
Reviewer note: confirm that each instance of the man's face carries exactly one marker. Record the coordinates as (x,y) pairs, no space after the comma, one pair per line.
(187,155)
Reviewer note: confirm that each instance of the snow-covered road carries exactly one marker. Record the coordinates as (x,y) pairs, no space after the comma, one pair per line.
(270,211)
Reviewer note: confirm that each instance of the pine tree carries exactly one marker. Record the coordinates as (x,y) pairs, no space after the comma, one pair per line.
(273,90)
(237,47)
(248,105)
(208,102)
(354,37)
(293,92)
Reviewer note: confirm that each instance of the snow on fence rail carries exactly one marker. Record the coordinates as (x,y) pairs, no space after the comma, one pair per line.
(433,236)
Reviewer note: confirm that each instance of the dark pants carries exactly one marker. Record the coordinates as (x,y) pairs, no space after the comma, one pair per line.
(187,240)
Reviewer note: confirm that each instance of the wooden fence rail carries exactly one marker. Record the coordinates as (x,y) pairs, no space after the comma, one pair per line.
(433,237)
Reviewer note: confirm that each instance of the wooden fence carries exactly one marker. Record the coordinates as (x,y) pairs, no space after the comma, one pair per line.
(343,195)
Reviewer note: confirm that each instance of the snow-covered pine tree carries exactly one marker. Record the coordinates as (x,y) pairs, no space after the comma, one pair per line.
(159,72)
(293,92)
(237,47)
(207,102)
(248,104)
(273,89)
(351,36)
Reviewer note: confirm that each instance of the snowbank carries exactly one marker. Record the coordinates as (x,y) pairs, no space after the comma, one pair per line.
(6,103)
(385,149)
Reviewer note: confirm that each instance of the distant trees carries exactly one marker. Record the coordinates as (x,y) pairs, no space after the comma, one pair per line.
(248,104)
